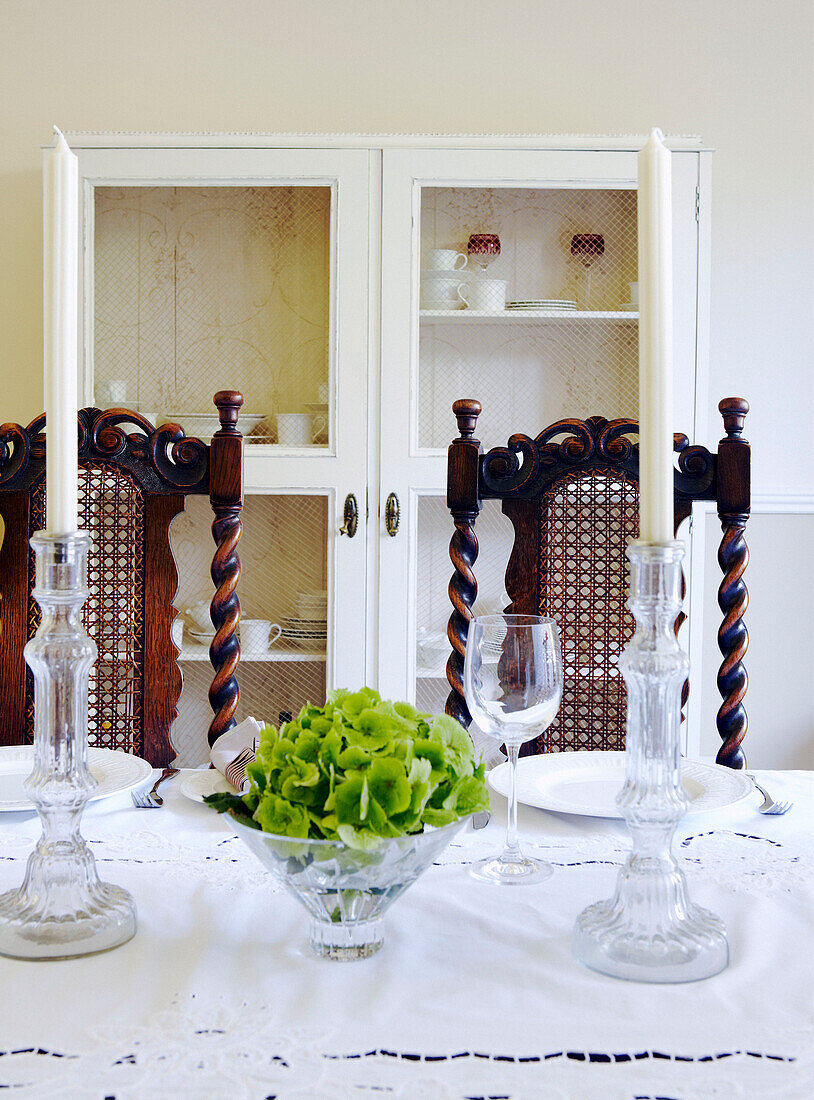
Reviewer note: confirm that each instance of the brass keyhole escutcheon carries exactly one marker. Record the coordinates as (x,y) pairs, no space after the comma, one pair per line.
(350,516)
(392,514)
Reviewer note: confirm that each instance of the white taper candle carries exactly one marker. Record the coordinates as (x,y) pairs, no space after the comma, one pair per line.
(60,176)
(655,342)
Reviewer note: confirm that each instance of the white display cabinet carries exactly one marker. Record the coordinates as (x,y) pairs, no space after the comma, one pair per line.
(311,273)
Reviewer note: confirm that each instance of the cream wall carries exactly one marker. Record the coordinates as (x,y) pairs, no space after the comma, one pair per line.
(737,72)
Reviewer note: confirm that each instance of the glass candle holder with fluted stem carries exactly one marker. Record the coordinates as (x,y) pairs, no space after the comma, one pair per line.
(650,931)
(62,908)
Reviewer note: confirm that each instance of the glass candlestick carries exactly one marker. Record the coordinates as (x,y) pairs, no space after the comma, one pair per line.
(650,931)
(62,908)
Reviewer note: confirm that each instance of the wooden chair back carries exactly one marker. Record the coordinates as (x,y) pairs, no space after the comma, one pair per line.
(572,495)
(132,483)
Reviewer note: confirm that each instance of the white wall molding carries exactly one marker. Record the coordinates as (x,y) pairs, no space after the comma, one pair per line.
(784,502)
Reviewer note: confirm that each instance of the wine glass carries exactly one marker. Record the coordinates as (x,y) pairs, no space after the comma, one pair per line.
(482,248)
(587,248)
(513,688)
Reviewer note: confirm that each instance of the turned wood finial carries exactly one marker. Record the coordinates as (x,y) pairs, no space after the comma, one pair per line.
(467,411)
(733,410)
(228,403)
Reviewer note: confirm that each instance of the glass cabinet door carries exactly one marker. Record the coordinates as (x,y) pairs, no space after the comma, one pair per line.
(284,587)
(194,282)
(210,269)
(509,277)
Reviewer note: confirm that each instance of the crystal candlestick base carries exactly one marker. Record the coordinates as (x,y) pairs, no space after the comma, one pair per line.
(62,908)
(650,931)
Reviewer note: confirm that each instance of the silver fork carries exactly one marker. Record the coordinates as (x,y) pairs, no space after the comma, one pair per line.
(151,800)
(769,806)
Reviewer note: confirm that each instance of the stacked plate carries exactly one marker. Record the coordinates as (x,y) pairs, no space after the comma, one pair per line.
(304,632)
(542,303)
(312,605)
(309,626)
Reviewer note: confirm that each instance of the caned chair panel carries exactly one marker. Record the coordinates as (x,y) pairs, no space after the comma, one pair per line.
(131,486)
(586,520)
(111,510)
(571,494)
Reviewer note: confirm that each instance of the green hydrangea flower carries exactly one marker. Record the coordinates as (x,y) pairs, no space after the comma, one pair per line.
(278,815)
(360,769)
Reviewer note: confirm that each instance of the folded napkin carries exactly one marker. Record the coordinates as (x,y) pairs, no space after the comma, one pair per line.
(234,749)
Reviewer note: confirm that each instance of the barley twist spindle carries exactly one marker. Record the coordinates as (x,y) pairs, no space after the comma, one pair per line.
(734,460)
(463,589)
(733,641)
(226,493)
(464,504)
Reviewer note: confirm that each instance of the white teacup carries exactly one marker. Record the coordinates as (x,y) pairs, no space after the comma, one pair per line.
(445,259)
(319,426)
(256,635)
(294,429)
(488,295)
(440,291)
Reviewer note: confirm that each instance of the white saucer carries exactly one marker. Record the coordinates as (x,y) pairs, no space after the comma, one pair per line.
(114,771)
(206,781)
(586,783)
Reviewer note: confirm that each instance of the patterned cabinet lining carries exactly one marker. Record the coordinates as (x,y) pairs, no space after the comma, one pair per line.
(201,288)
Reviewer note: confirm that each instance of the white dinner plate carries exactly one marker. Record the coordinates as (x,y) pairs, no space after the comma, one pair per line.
(114,771)
(206,781)
(586,783)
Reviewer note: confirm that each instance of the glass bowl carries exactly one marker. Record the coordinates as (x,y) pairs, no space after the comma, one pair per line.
(346,891)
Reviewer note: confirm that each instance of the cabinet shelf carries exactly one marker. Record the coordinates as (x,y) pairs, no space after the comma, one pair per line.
(201,653)
(513,316)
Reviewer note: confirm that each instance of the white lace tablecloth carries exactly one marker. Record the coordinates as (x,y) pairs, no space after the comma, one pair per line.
(475,993)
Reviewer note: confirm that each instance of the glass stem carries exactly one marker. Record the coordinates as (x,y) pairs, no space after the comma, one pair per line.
(511,851)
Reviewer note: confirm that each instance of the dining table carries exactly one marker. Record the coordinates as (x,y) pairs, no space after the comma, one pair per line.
(475,993)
